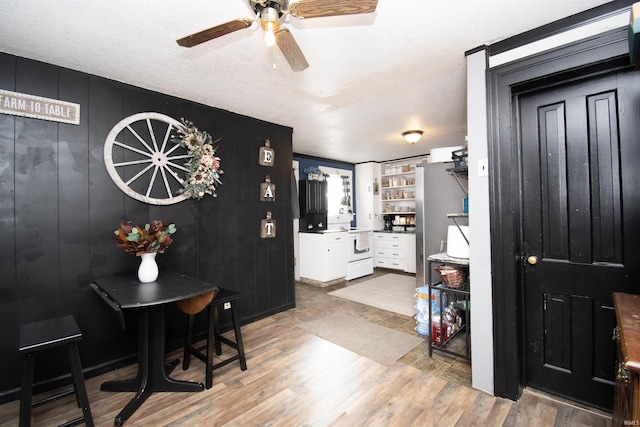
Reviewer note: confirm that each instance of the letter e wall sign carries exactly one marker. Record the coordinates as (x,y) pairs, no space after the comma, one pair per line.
(267,155)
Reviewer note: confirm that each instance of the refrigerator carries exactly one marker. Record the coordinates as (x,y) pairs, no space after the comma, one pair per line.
(437,194)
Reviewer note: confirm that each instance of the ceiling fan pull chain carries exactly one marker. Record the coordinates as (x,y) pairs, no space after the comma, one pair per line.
(273,57)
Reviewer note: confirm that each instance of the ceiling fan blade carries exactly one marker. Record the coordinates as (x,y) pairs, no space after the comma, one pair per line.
(214,32)
(291,50)
(320,8)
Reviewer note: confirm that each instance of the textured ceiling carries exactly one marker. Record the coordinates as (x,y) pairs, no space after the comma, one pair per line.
(371,76)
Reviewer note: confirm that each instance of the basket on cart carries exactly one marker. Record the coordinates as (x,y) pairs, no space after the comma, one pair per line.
(459,158)
(453,277)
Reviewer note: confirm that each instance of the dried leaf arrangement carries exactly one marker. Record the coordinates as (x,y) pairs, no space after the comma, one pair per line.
(154,237)
(202,170)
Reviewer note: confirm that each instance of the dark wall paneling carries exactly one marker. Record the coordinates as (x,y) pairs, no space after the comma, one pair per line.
(246,227)
(8,286)
(59,207)
(104,110)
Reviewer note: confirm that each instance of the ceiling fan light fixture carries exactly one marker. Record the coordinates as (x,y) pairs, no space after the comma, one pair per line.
(269,23)
(269,36)
(412,136)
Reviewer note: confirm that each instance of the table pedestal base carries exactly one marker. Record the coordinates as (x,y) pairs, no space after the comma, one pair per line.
(152,371)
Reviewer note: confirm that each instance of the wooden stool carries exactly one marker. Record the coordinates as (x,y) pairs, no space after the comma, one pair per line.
(46,334)
(226,299)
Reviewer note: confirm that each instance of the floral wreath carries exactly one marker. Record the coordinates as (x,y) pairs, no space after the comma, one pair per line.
(203,167)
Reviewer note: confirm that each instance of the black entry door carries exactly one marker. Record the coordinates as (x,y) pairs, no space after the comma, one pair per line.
(580,147)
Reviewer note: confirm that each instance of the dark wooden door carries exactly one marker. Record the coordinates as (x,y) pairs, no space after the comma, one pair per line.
(581,207)
(313,196)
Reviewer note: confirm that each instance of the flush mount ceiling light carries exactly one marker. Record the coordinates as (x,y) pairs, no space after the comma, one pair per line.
(412,136)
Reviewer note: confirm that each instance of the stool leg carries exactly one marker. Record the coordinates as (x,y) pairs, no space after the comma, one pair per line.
(27,390)
(78,383)
(211,340)
(189,337)
(216,330)
(236,327)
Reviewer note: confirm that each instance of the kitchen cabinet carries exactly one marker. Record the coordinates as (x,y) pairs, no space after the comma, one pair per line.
(368,206)
(410,252)
(313,205)
(626,404)
(389,250)
(395,250)
(313,196)
(324,256)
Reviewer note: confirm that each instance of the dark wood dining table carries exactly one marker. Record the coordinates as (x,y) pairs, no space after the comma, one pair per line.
(125,292)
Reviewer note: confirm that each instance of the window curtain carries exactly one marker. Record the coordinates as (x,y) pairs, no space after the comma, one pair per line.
(346,191)
(295,202)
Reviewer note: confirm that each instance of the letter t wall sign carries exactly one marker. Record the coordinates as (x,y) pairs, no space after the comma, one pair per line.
(268,227)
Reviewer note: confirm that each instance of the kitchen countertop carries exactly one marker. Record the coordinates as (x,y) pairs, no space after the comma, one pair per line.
(322,231)
(409,231)
(396,231)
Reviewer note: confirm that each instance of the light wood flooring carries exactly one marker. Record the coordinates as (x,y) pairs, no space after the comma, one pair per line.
(295,378)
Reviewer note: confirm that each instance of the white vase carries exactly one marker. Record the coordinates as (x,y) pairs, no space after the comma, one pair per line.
(148,270)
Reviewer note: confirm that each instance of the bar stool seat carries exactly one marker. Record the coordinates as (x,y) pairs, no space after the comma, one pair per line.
(47,334)
(226,299)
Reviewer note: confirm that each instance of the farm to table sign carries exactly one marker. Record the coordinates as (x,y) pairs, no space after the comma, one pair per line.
(37,107)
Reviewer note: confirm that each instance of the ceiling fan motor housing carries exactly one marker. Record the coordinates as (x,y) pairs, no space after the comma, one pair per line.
(273,8)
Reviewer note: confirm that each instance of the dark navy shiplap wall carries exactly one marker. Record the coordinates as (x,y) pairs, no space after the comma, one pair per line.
(59,207)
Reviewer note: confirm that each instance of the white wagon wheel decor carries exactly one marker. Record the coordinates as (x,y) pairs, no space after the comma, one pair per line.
(144,161)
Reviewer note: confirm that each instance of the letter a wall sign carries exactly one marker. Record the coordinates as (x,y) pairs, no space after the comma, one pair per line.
(267,190)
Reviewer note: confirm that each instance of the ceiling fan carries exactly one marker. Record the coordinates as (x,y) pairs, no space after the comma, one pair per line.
(271,13)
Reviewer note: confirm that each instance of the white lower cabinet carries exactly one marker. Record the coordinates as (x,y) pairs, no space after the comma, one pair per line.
(324,256)
(395,250)
(410,252)
(389,250)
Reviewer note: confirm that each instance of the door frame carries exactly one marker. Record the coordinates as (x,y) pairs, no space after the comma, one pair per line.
(593,56)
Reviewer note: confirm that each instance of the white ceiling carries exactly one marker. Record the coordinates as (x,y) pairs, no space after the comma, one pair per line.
(371,76)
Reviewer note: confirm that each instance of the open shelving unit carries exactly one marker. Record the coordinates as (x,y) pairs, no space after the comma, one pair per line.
(442,332)
(398,191)
(453,306)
